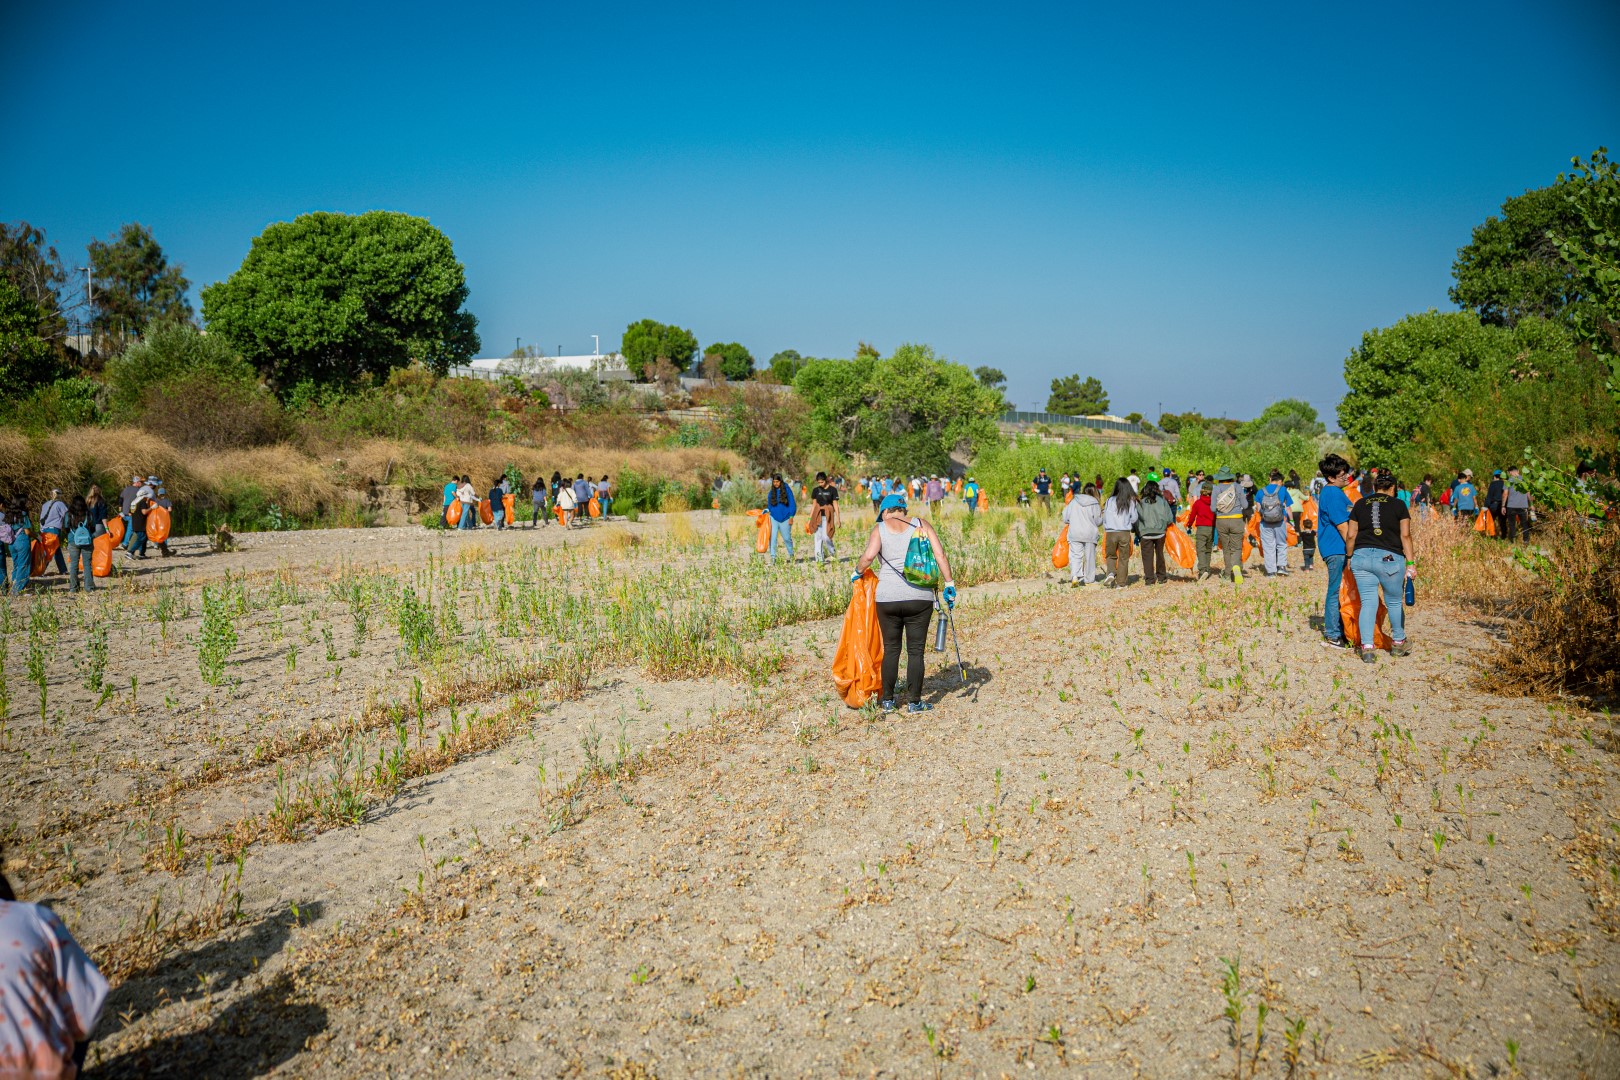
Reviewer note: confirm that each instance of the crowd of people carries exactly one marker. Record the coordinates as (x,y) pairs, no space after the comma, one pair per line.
(569,500)
(73,526)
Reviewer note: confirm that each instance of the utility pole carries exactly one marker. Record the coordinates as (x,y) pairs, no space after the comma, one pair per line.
(596,345)
(90,308)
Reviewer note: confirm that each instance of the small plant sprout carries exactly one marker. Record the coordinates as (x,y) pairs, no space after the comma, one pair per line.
(1232,990)
(1513,1054)
(1192,877)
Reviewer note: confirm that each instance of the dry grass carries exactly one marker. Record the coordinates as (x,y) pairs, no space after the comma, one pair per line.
(377,461)
(1455,563)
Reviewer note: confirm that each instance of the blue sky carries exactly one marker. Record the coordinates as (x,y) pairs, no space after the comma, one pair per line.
(1202,206)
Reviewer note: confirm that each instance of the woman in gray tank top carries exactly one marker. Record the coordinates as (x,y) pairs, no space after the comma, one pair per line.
(902,608)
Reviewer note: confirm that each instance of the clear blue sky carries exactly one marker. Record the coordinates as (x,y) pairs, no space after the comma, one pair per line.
(1204,205)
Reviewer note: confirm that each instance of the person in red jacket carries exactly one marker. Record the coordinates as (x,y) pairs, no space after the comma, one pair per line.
(1201,520)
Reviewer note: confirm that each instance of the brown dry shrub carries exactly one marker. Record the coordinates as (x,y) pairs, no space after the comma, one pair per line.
(416,465)
(1455,563)
(79,457)
(1569,638)
(278,474)
(202,409)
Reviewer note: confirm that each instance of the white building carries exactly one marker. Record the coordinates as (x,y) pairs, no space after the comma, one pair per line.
(607,366)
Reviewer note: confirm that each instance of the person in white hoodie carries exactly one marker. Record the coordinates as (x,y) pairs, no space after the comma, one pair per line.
(1083,515)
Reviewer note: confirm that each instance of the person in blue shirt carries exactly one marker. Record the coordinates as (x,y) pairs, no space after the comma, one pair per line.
(780,504)
(1043,490)
(1274,505)
(449,497)
(970,495)
(1465,496)
(1332,512)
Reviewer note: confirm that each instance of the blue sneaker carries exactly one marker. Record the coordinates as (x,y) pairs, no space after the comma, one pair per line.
(887,705)
(918,706)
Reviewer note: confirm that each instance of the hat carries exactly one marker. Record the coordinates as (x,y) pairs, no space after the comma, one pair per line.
(135,479)
(1498,472)
(151,479)
(1468,472)
(1153,476)
(1224,475)
(892,502)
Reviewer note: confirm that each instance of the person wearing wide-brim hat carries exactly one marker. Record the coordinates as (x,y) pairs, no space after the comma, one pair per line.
(1229,502)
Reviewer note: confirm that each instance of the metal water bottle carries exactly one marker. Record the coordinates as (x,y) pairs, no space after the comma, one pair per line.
(1411,594)
(940,615)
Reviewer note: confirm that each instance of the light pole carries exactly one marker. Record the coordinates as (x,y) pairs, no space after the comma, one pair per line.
(596,345)
(90,303)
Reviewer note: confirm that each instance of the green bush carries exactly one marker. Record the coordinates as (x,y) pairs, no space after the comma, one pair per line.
(56,406)
(169,350)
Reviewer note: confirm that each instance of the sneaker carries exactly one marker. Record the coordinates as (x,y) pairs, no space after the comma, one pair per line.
(1282,573)
(1401,648)
(887,705)
(1369,656)
(918,706)
(1109,580)
(1334,643)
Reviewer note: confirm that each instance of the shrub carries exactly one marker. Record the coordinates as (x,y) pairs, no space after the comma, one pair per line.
(57,406)
(169,350)
(205,409)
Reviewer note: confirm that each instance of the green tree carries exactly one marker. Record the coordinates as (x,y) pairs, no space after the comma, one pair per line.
(994,378)
(168,351)
(135,285)
(646,342)
(35,268)
(736,362)
(334,298)
(27,361)
(1512,268)
(785,365)
(863,351)
(1073,397)
(1281,418)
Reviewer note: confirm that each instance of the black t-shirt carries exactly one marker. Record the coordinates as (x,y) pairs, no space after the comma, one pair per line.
(1378,520)
(1043,485)
(824,494)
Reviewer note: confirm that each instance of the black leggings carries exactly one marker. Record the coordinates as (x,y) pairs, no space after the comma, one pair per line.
(912,617)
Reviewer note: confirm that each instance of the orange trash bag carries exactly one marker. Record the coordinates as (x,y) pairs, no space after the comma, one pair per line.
(486,512)
(1068,497)
(115,529)
(857,666)
(43,548)
(1060,550)
(1293,535)
(509,504)
(1485,523)
(762,535)
(1179,546)
(1309,512)
(452,513)
(1352,492)
(714,504)
(158,524)
(562,515)
(1184,517)
(593,508)
(101,555)
(1251,536)
(1350,615)
(984,500)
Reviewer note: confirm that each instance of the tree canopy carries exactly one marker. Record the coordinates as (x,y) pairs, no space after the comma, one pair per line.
(646,342)
(1073,397)
(34,267)
(736,362)
(1281,418)
(994,378)
(1512,267)
(134,284)
(785,365)
(27,361)
(332,298)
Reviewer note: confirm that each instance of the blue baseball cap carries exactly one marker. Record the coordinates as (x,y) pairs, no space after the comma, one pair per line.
(892,502)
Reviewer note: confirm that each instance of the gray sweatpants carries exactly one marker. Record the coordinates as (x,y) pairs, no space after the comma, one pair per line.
(1274,546)
(823,544)
(1083,561)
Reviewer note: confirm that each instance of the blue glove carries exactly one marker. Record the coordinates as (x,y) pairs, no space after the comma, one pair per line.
(855,577)
(950,596)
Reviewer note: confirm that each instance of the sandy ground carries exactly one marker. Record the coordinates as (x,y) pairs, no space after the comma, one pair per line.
(1049,873)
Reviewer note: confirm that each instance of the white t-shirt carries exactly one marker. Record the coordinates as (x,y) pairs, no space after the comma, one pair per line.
(51,993)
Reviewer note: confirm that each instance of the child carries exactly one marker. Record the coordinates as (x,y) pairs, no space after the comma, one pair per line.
(1307,538)
(1023,496)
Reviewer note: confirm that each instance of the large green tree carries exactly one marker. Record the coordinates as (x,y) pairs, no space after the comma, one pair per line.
(35,268)
(334,298)
(736,362)
(785,365)
(1281,418)
(135,285)
(1512,268)
(27,361)
(648,341)
(1072,396)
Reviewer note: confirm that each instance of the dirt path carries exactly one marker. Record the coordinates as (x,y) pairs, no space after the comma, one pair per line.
(753,879)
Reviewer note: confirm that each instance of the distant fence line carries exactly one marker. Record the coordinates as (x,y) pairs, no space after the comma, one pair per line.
(1016,417)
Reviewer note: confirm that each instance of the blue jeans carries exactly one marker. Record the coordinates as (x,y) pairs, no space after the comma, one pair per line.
(1274,546)
(784,529)
(500,517)
(22,563)
(539,509)
(129,531)
(1332,624)
(469,515)
(1375,569)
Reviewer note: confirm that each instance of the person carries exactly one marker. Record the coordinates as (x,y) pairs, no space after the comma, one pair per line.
(936,493)
(1154,518)
(19,537)
(139,507)
(970,495)
(1230,506)
(1083,515)
(537,501)
(874,488)
(1274,507)
(1493,501)
(1423,494)
(1465,496)
(583,490)
(52,515)
(1248,494)
(450,487)
(99,514)
(780,504)
(1332,516)
(1135,481)
(556,486)
(497,503)
(51,993)
(80,533)
(126,497)
(823,518)
(1023,495)
(1307,539)
(469,503)
(1378,538)
(1120,513)
(1170,487)
(604,495)
(902,608)
(567,503)
(1201,521)
(1043,490)
(1515,508)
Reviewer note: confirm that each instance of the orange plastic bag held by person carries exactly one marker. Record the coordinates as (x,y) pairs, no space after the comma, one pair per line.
(509,504)
(101,555)
(1350,615)
(1060,550)
(1309,512)
(115,529)
(1184,517)
(1293,535)
(1068,497)
(857,666)
(562,515)
(984,500)
(593,507)
(1179,546)
(1485,523)
(1352,491)
(762,536)
(44,547)
(452,513)
(158,524)
(715,503)
(486,512)
(1251,536)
